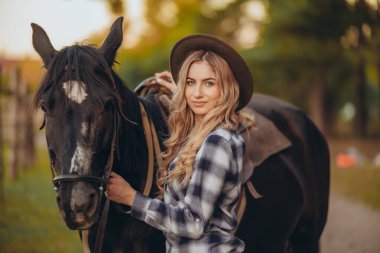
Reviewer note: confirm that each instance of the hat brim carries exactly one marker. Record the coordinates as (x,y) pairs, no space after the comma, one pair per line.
(239,68)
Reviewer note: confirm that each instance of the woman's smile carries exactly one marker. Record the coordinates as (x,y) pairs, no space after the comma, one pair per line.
(198,103)
(202,90)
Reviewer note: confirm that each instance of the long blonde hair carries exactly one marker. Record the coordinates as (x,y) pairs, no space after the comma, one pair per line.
(185,136)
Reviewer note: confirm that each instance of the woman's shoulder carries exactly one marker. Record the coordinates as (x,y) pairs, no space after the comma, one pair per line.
(222,132)
(222,141)
(226,134)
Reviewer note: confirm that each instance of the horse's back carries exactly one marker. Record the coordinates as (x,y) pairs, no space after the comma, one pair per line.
(294,183)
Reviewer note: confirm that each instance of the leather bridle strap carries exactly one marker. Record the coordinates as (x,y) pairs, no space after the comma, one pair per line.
(73,178)
(153,147)
(103,220)
(150,133)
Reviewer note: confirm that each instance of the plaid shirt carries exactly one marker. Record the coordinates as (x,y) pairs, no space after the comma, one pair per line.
(201,216)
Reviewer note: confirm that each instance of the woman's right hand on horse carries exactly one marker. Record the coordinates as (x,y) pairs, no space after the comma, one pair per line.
(165,79)
(119,190)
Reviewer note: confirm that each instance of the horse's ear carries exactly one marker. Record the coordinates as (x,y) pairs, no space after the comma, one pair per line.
(113,41)
(42,44)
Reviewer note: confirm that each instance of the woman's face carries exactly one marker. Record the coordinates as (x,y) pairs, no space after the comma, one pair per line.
(201,91)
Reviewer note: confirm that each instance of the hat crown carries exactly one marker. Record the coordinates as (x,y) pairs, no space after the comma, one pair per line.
(238,66)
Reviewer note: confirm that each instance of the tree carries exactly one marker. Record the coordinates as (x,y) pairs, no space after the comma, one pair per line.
(365,26)
(301,57)
(169,20)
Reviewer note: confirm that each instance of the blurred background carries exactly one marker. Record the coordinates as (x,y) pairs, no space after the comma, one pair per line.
(321,55)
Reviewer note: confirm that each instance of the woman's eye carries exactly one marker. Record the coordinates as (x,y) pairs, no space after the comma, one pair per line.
(190,82)
(209,84)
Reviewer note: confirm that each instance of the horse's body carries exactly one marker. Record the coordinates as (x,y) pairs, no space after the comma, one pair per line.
(293,182)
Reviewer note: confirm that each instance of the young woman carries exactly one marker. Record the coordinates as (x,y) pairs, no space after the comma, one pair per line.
(200,176)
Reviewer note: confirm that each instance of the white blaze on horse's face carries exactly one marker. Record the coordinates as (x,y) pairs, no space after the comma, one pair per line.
(75,91)
(81,160)
(84,129)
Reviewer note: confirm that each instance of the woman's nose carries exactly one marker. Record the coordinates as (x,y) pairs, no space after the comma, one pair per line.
(198,91)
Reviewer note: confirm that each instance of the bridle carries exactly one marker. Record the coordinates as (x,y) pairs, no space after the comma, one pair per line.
(153,149)
(101,180)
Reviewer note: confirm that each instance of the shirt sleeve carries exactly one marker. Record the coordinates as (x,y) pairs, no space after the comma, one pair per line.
(190,217)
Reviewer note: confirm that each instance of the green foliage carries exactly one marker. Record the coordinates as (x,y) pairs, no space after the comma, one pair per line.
(361,183)
(304,48)
(30,220)
(301,44)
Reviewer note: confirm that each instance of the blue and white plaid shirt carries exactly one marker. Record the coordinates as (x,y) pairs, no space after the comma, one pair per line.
(201,216)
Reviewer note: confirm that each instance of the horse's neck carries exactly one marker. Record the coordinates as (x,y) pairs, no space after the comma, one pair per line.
(139,144)
(132,163)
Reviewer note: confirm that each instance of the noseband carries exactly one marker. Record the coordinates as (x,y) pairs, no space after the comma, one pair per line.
(102,181)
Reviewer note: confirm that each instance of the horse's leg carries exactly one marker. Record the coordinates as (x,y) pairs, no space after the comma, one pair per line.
(269,221)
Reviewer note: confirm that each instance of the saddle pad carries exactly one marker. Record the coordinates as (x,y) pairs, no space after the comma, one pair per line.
(262,139)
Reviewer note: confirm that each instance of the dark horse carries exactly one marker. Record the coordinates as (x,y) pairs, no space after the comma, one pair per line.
(93,121)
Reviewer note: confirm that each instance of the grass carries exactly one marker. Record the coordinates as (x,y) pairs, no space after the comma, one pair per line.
(362,183)
(29,219)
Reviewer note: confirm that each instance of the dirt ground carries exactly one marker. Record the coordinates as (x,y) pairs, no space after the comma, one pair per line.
(352,227)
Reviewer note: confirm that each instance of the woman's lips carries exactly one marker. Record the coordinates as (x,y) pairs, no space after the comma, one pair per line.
(198,103)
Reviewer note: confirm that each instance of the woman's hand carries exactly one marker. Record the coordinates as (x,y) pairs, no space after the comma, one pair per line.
(119,190)
(165,79)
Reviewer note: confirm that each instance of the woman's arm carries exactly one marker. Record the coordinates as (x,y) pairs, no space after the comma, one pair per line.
(189,218)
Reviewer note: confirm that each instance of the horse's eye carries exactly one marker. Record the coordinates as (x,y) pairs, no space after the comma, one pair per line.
(109,104)
(43,107)
(53,156)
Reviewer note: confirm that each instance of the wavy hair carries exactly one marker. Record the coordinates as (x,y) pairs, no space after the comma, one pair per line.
(187,137)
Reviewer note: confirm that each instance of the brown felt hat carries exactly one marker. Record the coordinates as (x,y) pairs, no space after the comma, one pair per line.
(239,68)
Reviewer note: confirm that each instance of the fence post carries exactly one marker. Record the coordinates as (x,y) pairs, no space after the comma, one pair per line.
(14,145)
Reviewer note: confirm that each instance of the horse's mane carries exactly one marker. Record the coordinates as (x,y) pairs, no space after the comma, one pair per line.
(84,64)
(79,63)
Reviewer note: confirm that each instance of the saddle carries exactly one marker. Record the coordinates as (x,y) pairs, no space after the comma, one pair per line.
(261,136)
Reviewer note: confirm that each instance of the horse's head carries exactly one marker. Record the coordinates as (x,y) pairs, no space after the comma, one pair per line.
(82,110)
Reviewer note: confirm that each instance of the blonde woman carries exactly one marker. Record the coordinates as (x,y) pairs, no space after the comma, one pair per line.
(200,176)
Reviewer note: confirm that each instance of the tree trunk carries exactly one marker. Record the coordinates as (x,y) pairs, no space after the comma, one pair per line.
(317,103)
(378,90)
(361,115)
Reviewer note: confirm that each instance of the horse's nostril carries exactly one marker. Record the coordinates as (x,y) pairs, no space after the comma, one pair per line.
(59,199)
(92,196)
